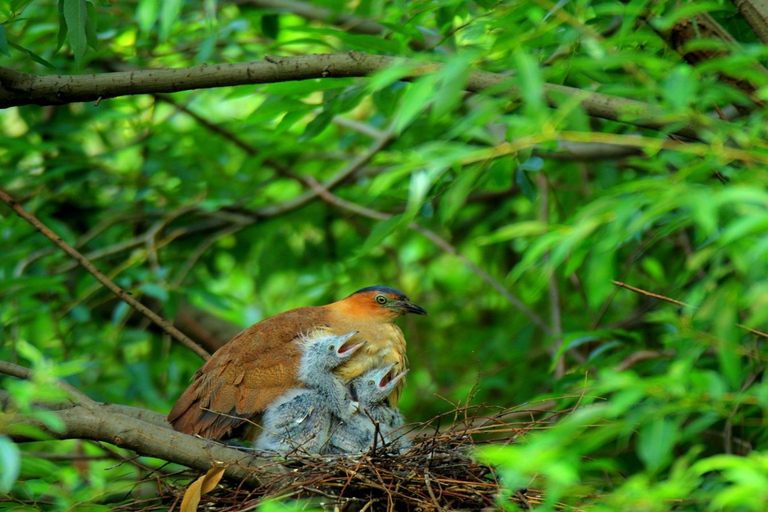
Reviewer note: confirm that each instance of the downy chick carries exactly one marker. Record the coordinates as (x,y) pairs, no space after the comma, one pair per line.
(300,419)
(357,434)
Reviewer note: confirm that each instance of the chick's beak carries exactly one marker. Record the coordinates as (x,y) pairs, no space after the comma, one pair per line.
(348,350)
(410,307)
(392,382)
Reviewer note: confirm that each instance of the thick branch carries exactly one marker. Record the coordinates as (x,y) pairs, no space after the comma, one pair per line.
(24,89)
(108,283)
(756,14)
(101,422)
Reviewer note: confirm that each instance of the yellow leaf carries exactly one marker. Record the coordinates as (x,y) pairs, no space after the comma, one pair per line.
(199,487)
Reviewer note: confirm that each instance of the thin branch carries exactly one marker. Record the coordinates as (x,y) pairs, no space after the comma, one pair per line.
(356,164)
(212,127)
(348,22)
(649,294)
(327,196)
(644,355)
(552,287)
(109,284)
(25,89)
(679,303)
(20,372)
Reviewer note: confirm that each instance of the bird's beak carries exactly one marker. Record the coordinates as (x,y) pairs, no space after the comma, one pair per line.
(397,378)
(348,350)
(345,337)
(410,307)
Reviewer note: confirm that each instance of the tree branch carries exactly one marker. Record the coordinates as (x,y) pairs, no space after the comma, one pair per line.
(108,283)
(25,89)
(348,22)
(437,240)
(21,372)
(101,422)
(756,14)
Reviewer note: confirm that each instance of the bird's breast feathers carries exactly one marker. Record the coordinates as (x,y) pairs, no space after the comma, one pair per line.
(384,344)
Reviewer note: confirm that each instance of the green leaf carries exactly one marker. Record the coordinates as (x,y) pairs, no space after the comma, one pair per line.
(526,184)
(155,290)
(32,55)
(19,5)
(455,197)
(368,43)
(10,460)
(379,233)
(414,102)
(516,230)
(62,34)
(3,41)
(169,15)
(147,13)
(531,84)
(655,443)
(317,125)
(270,25)
(76,16)
(90,26)
(451,79)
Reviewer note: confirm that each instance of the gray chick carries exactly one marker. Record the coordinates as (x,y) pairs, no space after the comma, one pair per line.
(300,420)
(371,389)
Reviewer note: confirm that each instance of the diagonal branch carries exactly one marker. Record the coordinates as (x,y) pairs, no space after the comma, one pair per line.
(24,89)
(104,280)
(101,423)
(433,237)
(20,372)
(646,293)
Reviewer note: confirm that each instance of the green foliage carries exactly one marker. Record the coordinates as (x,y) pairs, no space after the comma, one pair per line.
(187,201)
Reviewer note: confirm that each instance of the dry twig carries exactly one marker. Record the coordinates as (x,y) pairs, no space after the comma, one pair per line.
(108,283)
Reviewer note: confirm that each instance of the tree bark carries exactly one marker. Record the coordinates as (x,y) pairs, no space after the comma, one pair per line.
(151,438)
(24,89)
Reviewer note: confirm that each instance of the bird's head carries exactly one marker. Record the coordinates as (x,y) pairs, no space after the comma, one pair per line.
(382,303)
(376,384)
(322,352)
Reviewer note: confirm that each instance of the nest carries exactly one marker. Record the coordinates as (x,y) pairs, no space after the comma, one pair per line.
(436,473)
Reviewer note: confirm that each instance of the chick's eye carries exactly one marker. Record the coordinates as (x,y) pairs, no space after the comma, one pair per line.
(381,299)
(331,348)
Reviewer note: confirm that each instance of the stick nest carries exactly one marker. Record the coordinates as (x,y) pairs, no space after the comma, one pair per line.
(436,473)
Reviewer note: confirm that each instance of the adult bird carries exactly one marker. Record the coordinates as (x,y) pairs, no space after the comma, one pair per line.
(234,387)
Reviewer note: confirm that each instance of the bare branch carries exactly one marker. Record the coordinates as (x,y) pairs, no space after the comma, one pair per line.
(100,422)
(644,355)
(437,240)
(108,283)
(756,14)
(680,303)
(21,372)
(348,22)
(25,89)
(703,26)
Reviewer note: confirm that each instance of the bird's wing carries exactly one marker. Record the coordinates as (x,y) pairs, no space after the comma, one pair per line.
(245,375)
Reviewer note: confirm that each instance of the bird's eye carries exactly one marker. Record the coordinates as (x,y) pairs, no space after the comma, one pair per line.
(381,299)
(331,348)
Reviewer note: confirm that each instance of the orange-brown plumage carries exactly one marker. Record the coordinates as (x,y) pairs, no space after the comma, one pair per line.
(258,365)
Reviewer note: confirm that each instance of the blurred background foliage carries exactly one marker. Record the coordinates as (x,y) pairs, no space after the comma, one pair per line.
(190,202)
